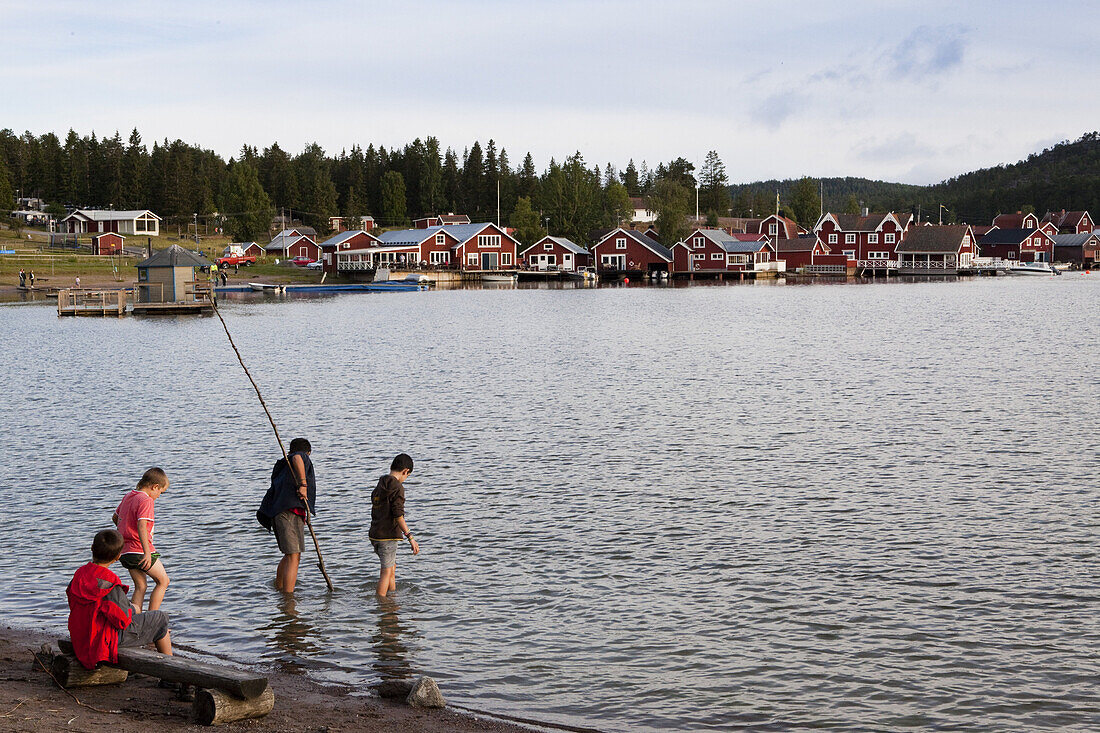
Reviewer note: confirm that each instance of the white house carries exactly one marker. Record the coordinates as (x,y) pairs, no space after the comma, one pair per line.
(93,221)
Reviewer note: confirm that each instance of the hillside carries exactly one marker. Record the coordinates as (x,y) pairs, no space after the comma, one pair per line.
(1066,176)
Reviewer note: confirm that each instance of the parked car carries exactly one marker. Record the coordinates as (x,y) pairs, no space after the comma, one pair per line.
(315,265)
(301,261)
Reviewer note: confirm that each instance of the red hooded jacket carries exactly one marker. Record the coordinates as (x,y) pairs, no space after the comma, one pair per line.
(98,611)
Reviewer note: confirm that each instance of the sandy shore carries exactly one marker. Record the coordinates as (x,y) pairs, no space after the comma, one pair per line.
(31,703)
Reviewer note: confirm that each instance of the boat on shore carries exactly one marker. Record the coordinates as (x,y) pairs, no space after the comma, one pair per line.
(498,277)
(1032,268)
(267,287)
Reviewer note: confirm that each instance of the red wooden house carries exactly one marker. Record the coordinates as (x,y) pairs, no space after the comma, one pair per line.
(441,220)
(1019,220)
(556,253)
(292,243)
(716,251)
(810,254)
(1070,222)
(423,247)
(868,240)
(775,227)
(483,247)
(1025,245)
(107,244)
(937,250)
(348,251)
(625,251)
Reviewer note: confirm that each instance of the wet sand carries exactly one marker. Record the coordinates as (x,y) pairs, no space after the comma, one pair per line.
(30,702)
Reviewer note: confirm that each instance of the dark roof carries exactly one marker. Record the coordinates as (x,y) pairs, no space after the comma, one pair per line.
(567,244)
(1006,236)
(175,256)
(652,244)
(858,222)
(1011,221)
(946,238)
(1072,240)
(801,244)
(1063,218)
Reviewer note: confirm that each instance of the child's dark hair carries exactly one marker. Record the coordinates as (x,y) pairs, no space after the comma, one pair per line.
(107,545)
(300,445)
(153,477)
(402,462)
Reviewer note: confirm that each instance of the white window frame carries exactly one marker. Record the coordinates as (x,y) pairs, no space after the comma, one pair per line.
(850,254)
(773,228)
(698,243)
(832,239)
(716,255)
(548,247)
(441,239)
(620,243)
(506,258)
(439,258)
(471,259)
(488,240)
(872,238)
(849,239)
(695,257)
(888,238)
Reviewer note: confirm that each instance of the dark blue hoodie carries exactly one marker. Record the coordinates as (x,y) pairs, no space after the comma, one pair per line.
(283,493)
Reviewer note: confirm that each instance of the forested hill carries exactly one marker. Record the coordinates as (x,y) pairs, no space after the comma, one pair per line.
(1066,176)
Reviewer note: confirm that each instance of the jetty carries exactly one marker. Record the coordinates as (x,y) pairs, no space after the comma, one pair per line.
(79,302)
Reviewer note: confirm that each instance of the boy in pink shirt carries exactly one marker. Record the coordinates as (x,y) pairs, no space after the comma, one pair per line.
(134,518)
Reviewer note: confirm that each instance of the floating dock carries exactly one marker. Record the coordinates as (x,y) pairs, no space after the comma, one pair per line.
(73,302)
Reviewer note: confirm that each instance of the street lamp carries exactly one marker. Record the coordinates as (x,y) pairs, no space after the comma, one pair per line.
(548,226)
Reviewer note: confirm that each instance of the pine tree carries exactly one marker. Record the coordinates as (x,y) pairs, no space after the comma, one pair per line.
(805,201)
(393,199)
(247,208)
(618,209)
(672,202)
(7,191)
(630,179)
(526,222)
(714,194)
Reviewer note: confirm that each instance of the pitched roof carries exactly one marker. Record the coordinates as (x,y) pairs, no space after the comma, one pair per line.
(1007,236)
(730,243)
(1011,221)
(1073,240)
(465,232)
(1063,218)
(175,256)
(453,219)
(567,244)
(801,244)
(286,238)
(408,237)
(111,215)
(345,236)
(859,222)
(946,238)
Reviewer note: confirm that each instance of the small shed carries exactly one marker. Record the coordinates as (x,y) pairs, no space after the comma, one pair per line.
(171,276)
(109,243)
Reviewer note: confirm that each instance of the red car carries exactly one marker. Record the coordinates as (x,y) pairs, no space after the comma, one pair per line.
(231,260)
(301,261)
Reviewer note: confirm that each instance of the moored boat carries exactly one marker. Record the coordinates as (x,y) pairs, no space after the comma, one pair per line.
(498,277)
(267,287)
(1032,268)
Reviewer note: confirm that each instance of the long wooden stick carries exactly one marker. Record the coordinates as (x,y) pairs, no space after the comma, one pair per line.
(309,524)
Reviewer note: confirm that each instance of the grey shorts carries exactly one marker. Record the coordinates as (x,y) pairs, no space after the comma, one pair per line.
(290,532)
(145,628)
(386,551)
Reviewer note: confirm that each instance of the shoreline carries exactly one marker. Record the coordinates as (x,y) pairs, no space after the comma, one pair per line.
(31,702)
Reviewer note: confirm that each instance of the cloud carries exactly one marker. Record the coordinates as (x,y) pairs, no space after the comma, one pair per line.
(776,109)
(900,147)
(929,51)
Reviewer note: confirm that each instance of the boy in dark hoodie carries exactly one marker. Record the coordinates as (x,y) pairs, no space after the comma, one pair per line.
(101,619)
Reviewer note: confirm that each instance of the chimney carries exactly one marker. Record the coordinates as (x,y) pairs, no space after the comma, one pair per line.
(866,211)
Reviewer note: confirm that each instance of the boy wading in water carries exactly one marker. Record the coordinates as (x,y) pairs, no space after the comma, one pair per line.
(387,521)
(134,519)
(285,506)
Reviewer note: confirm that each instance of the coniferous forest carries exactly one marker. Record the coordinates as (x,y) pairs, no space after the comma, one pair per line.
(572,197)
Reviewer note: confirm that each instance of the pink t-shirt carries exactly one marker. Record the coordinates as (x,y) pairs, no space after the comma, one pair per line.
(135,505)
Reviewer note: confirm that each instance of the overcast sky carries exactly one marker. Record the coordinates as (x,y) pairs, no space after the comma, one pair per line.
(902,91)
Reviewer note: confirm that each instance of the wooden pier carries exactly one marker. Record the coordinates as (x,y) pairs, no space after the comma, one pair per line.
(74,302)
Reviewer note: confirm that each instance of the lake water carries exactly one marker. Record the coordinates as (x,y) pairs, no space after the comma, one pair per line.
(866,506)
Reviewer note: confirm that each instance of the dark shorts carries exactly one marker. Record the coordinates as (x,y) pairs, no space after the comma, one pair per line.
(290,532)
(386,551)
(146,628)
(132,560)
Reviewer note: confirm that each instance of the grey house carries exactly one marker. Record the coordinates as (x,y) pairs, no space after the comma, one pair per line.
(171,276)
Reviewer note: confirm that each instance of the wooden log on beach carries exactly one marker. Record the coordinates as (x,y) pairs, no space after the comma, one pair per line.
(188,671)
(214,707)
(69,672)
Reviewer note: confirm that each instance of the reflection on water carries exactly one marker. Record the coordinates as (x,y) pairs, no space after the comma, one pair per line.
(391,656)
(867,506)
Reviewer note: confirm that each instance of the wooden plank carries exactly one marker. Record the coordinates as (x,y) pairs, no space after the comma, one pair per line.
(188,671)
(214,707)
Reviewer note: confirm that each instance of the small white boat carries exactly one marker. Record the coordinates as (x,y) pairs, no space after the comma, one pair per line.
(1063,266)
(267,287)
(415,277)
(498,277)
(1032,268)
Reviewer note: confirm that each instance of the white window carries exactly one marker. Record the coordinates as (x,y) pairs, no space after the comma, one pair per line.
(1037,241)
(966,240)
(737,259)
(716,256)
(849,239)
(850,254)
(505,258)
(488,240)
(832,239)
(548,247)
(878,255)
(888,238)
(620,243)
(439,258)
(471,259)
(872,239)
(697,243)
(773,228)
(698,258)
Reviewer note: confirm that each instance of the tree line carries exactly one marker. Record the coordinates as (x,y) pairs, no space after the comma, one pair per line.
(177,180)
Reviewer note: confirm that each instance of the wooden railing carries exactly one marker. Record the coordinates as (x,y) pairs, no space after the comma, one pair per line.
(878,264)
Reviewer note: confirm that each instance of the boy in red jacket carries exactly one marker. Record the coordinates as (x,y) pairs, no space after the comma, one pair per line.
(101,619)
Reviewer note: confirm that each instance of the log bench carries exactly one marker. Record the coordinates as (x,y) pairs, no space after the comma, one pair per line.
(222,694)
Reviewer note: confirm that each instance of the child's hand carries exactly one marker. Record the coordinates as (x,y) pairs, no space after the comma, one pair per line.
(415,547)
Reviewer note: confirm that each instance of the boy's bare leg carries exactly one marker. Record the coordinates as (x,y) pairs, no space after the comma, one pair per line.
(138,576)
(387,581)
(164,643)
(286,577)
(160,577)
